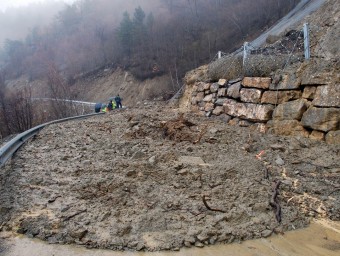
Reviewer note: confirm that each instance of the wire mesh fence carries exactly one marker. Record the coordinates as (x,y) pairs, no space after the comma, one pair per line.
(278,54)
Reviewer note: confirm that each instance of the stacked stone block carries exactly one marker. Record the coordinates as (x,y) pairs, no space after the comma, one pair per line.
(286,106)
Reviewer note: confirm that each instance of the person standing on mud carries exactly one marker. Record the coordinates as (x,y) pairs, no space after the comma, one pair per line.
(118,101)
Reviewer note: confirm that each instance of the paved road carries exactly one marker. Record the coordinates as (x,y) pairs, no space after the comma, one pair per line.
(304,8)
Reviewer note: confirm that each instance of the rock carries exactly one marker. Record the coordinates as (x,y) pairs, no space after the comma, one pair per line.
(222,92)
(266,233)
(234,90)
(224,117)
(202,237)
(234,81)
(278,97)
(138,155)
(218,111)
(187,244)
(327,96)
(140,246)
(288,127)
(257,82)
(206,86)
(333,137)
(214,87)
(191,160)
(132,173)
(220,102)
(309,92)
(279,161)
(222,82)
(248,111)
(277,147)
(245,123)
(183,172)
(78,233)
(316,135)
(209,107)
(208,114)
(199,244)
(290,110)
(200,96)
(152,160)
(288,82)
(200,87)
(208,98)
(251,95)
(322,119)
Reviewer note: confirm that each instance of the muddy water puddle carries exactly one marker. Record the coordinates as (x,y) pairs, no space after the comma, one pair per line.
(320,238)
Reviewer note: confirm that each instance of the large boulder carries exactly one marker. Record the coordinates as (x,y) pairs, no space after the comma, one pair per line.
(321,119)
(278,97)
(292,110)
(327,96)
(234,90)
(257,82)
(285,81)
(287,128)
(248,111)
(251,95)
(333,137)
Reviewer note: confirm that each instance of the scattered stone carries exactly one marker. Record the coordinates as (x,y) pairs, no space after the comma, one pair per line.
(279,161)
(266,233)
(214,87)
(222,92)
(199,244)
(208,98)
(218,110)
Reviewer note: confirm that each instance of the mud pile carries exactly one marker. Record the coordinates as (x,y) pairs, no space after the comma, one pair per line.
(152,179)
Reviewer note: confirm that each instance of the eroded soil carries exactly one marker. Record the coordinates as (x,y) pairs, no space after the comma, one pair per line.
(136,179)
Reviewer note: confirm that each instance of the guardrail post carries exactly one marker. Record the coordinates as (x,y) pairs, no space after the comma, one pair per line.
(306,40)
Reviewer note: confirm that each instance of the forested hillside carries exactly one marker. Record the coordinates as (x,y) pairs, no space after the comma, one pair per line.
(147,38)
(159,36)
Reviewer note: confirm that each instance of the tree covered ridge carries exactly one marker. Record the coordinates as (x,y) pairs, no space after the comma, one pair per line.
(172,38)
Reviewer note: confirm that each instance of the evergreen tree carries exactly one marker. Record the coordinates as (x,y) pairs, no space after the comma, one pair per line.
(125,33)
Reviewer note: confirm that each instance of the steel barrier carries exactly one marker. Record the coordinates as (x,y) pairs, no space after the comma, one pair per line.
(14,144)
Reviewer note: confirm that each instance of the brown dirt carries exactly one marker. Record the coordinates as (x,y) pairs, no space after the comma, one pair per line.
(135,180)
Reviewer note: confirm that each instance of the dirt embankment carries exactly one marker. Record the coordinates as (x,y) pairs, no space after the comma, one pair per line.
(153,179)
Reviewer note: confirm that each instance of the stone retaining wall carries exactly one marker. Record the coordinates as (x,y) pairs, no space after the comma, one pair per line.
(274,105)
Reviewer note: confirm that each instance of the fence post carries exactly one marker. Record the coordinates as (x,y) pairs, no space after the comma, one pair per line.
(219,54)
(245,52)
(306,40)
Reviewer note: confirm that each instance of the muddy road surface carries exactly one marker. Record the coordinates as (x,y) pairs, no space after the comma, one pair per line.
(151,179)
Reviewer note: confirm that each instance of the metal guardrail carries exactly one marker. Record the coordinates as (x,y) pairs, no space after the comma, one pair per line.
(14,144)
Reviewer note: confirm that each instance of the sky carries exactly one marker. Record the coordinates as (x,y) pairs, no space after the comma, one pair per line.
(4,4)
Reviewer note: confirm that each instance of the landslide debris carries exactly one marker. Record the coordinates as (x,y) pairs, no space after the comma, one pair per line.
(152,179)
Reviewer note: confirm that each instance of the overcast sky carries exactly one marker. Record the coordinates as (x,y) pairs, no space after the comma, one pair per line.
(4,4)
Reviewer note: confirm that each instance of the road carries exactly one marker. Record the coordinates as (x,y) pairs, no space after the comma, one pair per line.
(304,8)
(321,238)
